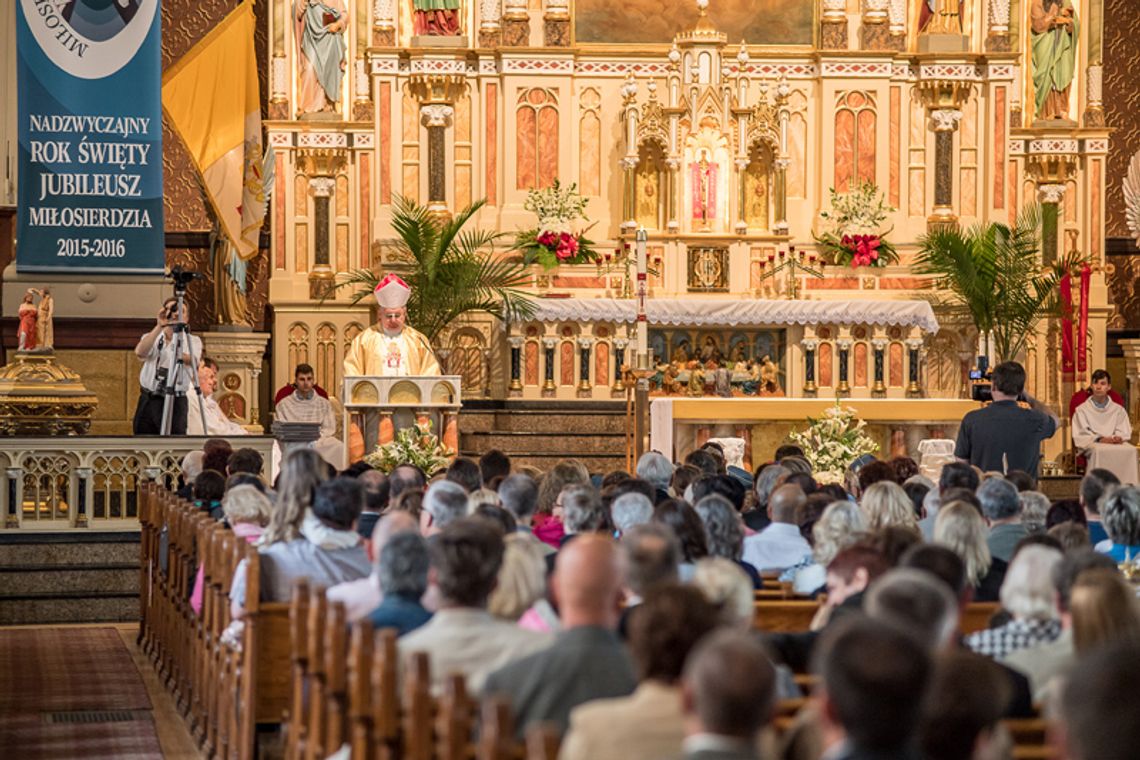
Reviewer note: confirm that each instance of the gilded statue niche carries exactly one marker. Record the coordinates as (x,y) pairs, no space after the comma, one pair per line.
(649,196)
(757,188)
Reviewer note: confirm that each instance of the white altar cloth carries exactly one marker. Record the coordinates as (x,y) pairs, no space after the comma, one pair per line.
(723,312)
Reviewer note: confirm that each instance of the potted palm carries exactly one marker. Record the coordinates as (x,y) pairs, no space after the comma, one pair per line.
(996,280)
(451,271)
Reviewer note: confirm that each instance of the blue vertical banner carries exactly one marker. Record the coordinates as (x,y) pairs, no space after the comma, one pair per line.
(89,79)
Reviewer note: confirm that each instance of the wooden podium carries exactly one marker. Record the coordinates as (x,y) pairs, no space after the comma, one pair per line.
(374,407)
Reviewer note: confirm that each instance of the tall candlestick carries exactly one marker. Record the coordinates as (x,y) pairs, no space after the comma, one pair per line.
(642,288)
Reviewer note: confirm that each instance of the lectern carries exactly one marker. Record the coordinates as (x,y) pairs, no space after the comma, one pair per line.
(375,407)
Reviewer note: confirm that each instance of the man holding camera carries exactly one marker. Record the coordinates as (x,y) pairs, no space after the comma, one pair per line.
(156,349)
(1004,435)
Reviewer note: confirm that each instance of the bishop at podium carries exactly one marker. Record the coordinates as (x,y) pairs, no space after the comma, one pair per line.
(391,348)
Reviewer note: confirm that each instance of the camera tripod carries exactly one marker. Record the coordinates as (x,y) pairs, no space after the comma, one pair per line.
(182,346)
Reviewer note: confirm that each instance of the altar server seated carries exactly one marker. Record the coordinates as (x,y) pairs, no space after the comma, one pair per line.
(1102,430)
(305,405)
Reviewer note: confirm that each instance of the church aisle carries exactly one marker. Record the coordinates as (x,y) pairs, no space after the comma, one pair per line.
(84,691)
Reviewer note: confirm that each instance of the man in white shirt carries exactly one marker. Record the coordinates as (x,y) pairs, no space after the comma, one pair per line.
(780,545)
(156,350)
(306,405)
(217,423)
(1102,430)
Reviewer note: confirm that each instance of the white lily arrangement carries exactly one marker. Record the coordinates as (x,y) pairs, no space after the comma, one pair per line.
(832,442)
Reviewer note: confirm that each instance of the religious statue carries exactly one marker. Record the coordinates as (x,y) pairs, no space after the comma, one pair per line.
(1053,39)
(319,27)
(681,352)
(669,382)
(391,348)
(436,18)
(770,378)
(696,381)
(710,352)
(704,190)
(45,333)
(935,20)
(28,313)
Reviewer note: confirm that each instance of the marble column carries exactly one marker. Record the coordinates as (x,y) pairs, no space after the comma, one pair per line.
(321,277)
(875,31)
(556,23)
(618,388)
(490,26)
(15,496)
(384,23)
(584,362)
(997,34)
(833,25)
(914,387)
(879,346)
(516,344)
(437,94)
(1094,111)
(844,348)
(516,24)
(548,346)
(809,345)
(1050,196)
(943,100)
(279,65)
(84,492)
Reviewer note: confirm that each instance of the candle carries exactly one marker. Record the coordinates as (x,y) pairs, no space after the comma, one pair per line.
(642,269)
(783,253)
(771,257)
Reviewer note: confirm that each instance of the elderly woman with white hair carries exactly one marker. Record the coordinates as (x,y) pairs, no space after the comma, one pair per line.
(840,525)
(247,512)
(1027,594)
(655,469)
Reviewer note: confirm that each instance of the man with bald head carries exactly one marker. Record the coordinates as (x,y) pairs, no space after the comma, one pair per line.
(587,660)
(780,545)
(362,596)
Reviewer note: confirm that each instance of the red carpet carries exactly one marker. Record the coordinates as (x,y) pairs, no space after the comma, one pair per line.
(49,675)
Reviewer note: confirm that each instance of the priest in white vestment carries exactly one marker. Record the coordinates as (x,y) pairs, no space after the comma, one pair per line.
(391,348)
(1103,432)
(306,405)
(217,423)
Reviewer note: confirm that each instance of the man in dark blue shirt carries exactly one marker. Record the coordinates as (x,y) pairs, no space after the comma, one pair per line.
(403,569)
(1005,436)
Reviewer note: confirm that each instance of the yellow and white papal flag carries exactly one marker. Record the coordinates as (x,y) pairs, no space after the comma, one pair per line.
(211,98)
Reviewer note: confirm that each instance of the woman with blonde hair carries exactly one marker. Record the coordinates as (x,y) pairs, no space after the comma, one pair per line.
(247,511)
(302,471)
(886,503)
(521,579)
(1104,610)
(960,527)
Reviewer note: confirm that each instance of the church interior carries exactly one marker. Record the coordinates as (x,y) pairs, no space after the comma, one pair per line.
(700,220)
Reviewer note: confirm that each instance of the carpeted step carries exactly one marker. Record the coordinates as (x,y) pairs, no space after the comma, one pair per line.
(52,607)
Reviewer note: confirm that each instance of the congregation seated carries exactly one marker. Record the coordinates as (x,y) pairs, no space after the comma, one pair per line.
(780,545)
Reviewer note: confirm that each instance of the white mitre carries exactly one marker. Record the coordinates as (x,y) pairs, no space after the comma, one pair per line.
(392,292)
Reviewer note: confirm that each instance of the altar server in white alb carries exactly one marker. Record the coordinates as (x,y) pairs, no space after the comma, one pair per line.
(1102,430)
(391,347)
(306,405)
(217,423)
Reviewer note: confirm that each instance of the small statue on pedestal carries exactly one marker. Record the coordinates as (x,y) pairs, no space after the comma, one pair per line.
(35,331)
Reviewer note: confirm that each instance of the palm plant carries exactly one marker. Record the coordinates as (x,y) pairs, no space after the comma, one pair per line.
(451,271)
(994,274)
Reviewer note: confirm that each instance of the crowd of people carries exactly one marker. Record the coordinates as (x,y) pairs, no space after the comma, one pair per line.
(619,607)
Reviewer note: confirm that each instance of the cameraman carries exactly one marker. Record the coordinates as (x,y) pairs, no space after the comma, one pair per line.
(156,349)
(1003,436)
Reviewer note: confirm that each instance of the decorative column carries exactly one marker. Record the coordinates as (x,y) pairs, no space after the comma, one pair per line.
(1094,111)
(896,24)
(255,395)
(844,347)
(1015,120)
(321,278)
(809,345)
(450,434)
(913,346)
(876,34)
(584,387)
(516,24)
(386,432)
(15,496)
(879,345)
(384,23)
(437,95)
(782,162)
(515,387)
(1051,171)
(944,100)
(548,346)
(279,66)
(740,113)
(556,24)
(629,162)
(362,82)
(490,28)
(83,493)
(673,162)
(997,35)
(833,25)
(618,388)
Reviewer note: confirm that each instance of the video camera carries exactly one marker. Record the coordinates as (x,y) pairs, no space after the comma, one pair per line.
(981,387)
(183,277)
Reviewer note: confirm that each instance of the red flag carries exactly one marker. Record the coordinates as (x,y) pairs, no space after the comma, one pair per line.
(1083,325)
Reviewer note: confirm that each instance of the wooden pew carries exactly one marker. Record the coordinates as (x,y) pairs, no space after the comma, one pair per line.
(977,616)
(783,616)
(297,730)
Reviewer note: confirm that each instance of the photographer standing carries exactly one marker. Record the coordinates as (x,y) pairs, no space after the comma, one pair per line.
(1004,436)
(156,349)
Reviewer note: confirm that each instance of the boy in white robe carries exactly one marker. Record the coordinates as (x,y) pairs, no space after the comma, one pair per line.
(1102,430)
(306,405)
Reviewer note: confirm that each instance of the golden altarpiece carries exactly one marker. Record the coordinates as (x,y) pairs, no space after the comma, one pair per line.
(718,128)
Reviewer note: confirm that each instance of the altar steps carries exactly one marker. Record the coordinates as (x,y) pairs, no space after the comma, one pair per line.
(540,433)
(68,577)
